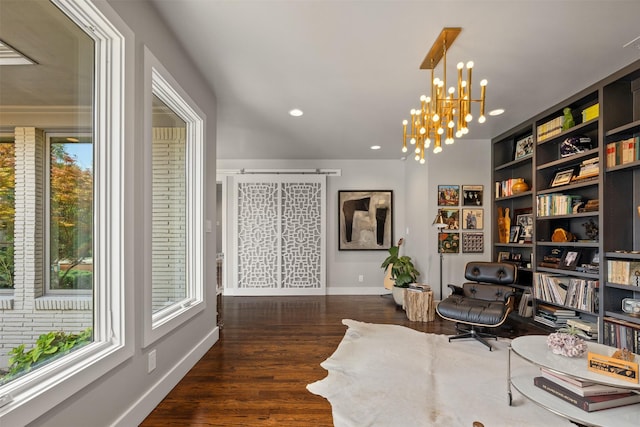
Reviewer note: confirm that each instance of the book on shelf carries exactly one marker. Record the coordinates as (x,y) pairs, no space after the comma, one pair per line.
(584,389)
(549,129)
(571,292)
(587,403)
(583,325)
(621,334)
(623,272)
(626,150)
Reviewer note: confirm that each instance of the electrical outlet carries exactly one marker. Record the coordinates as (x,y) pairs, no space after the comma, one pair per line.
(361,278)
(151,361)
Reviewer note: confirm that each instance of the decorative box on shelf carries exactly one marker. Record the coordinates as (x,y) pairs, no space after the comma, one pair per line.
(591,113)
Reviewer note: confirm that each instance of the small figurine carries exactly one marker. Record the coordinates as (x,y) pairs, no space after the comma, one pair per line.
(568,121)
(591,229)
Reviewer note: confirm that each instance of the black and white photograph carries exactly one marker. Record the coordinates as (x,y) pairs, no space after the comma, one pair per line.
(472,195)
(526,222)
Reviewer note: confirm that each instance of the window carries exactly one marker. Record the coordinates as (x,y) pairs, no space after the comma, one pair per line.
(7,212)
(70,214)
(175,140)
(76,84)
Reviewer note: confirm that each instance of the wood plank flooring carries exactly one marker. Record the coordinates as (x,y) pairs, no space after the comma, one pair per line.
(270,348)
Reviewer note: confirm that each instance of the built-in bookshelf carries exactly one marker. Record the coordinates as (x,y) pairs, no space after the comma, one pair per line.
(584,199)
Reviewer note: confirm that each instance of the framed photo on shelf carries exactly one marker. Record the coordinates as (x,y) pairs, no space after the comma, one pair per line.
(365,220)
(504,256)
(472,219)
(570,259)
(448,195)
(472,242)
(526,222)
(562,177)
(514,233)
(472,195)
(523,147)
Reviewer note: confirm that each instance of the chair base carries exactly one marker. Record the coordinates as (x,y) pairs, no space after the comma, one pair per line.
(475,334)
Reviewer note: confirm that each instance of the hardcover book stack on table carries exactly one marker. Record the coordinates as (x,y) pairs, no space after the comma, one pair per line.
(585,395)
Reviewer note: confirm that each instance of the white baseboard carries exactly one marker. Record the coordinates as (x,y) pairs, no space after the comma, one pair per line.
(148,401)
(357,290)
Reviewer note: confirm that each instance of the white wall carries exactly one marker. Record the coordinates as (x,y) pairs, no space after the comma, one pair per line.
(414,204)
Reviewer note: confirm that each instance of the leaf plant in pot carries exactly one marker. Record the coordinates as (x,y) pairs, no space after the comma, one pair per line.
(403,272)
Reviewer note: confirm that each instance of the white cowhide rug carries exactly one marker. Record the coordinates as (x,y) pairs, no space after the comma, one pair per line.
(390,375)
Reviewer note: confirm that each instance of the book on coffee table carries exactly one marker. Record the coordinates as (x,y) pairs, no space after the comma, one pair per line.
(581,388)
(587,403)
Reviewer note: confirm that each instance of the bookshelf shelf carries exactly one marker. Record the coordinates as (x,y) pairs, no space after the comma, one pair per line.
(614,192)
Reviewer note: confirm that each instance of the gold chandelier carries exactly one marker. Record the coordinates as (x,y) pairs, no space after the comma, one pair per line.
(445,113)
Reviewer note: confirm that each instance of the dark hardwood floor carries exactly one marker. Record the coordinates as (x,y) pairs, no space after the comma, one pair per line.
(270,348)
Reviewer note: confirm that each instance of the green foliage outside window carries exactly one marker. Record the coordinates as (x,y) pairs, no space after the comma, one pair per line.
(48,346)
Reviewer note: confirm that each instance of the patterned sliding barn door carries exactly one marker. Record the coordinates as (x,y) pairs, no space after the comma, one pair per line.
(279,235)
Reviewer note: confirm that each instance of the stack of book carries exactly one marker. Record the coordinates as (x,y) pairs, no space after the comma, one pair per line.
(585,395)
(549,129)
(556,204)
(587,330)
(553,316)
(571,292)
(588,169)
(623,272)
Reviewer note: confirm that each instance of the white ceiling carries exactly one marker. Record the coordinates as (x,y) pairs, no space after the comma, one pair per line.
(353,66)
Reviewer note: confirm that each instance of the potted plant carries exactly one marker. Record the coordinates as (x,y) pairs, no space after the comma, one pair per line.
(402,271)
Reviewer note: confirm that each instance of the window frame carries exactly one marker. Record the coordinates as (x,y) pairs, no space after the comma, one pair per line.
(47,209)
(7,292)
(30,396)
(159,82)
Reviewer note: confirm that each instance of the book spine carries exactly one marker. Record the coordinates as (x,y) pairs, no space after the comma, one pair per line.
(556,390)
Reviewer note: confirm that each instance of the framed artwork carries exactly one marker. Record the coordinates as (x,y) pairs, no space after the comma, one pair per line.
(452,218)
(523,147)
(472,195)
(449,243)
(448,195)
(514,233)
(562,178)
(472,242)
(570,259)
(365,220)
(472,219)
(526,222)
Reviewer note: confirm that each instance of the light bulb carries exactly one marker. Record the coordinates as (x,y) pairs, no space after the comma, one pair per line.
(463,84)
(451,124)
(468,117)
(404,149)
(436,117)
(451,90)
(482,119)
(423,98)
(404,122)
(436,150)
(483,82)
(412,141)
(413,112)
(440,131)
(436,81)
(470,64)
(460,65)
(422,161)
(465,131)
(417,158)
(423,131)
(448,141)
(428,99)
(417,150)
(458,133)
(427,142)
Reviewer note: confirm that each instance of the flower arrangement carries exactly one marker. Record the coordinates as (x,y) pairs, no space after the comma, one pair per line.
(567,343)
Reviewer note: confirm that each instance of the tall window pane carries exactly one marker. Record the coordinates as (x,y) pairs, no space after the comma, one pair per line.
(70,214)
(7,212)
(169,199)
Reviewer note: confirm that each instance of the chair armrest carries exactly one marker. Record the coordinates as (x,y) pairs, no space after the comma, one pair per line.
(455,290)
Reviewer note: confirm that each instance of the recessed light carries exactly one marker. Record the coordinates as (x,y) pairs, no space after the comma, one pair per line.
(496,112)
(295,112)
(375,147)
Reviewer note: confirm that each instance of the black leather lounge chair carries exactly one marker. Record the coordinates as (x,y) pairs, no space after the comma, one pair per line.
(483,302)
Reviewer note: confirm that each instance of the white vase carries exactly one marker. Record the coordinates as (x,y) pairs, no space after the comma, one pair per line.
(398,295)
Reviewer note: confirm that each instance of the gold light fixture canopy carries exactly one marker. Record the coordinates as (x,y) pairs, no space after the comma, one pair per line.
(447,111)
